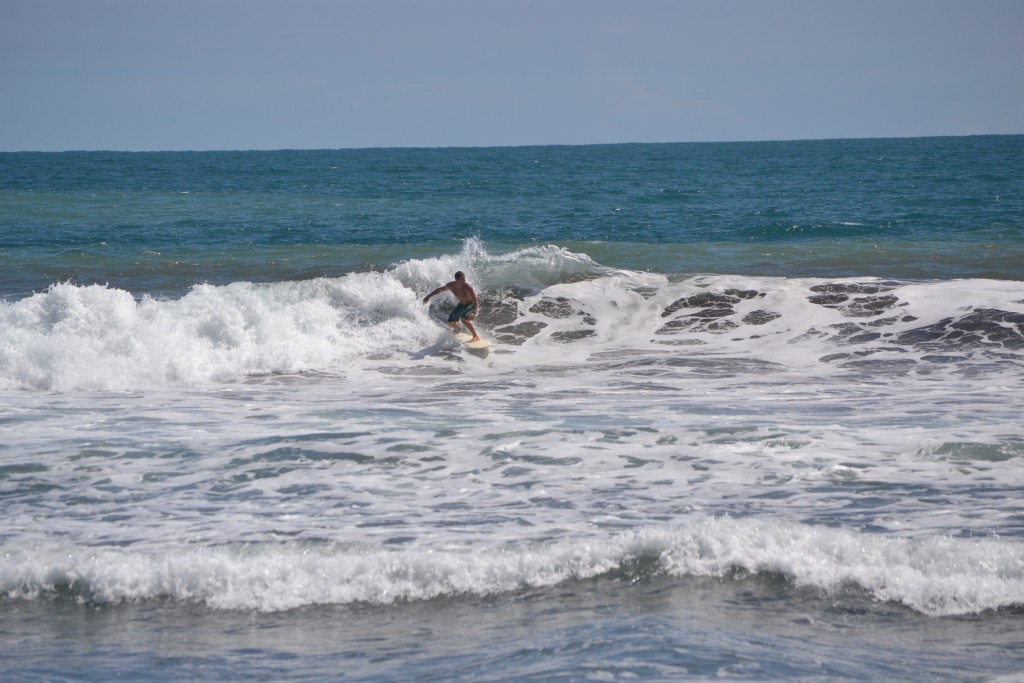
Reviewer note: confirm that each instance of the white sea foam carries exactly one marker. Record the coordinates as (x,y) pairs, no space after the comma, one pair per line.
(83,338)
(270,446)
(935,576)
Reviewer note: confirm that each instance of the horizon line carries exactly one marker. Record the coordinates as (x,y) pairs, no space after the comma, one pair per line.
(101,150)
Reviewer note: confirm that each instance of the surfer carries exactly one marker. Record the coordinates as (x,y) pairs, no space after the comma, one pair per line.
(468,304)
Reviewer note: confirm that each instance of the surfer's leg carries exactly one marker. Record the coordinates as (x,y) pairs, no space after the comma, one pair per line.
(453,319)
(469,326)
(457,313)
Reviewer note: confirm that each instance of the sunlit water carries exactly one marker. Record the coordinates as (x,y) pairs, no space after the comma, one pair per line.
(790,449)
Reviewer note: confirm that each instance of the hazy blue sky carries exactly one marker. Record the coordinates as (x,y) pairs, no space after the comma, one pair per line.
(262,74)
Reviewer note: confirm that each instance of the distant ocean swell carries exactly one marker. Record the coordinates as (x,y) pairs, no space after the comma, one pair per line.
(936,576)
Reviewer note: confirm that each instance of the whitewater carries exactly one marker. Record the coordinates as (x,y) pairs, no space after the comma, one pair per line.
(707,424)
(228,461)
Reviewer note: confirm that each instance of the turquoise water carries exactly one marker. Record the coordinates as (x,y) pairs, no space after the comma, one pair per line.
(752,411)
(916,208)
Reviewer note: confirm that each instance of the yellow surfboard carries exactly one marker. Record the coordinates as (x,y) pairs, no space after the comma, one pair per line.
(477,345)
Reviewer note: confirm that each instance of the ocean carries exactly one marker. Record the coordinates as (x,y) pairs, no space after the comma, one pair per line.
(752,411)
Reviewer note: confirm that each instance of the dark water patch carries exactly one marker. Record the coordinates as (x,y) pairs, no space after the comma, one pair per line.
(529,433)
(410,448)
(881,366)
(312,437)
(303,490)
(700,323)
(294,455)
(944,359)
(7,471)
(501,308)
(711,300)
(503,454)
(978,451)
(981,327)
(712,310)
(558,307)
(873,299)
(760,317)
(567,337)
(517,334)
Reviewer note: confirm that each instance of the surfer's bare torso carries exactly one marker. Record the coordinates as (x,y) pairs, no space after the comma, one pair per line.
(463,291)
(468,303)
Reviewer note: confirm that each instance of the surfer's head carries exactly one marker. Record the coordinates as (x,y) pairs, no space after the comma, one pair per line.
(459,275)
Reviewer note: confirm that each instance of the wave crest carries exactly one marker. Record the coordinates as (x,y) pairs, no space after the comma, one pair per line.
(932,575)
(101,338)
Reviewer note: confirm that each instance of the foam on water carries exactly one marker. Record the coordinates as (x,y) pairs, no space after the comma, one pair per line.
(757,415)
(936,576)
(542,303)
(81,338)
(326,442)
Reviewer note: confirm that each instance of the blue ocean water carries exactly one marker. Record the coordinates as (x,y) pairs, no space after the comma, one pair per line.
(752,411)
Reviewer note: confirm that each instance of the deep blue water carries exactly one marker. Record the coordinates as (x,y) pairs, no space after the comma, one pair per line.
(913,208)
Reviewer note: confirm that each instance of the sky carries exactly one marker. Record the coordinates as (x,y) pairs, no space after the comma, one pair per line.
(134,75)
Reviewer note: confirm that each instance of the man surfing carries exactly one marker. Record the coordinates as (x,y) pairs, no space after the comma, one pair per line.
(467,307)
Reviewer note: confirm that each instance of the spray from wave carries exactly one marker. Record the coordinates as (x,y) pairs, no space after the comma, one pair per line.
(539,300)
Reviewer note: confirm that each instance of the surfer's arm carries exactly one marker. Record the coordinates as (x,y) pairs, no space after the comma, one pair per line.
(436,291)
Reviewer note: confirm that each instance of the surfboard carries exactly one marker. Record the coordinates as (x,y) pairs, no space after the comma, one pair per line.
(477,345)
